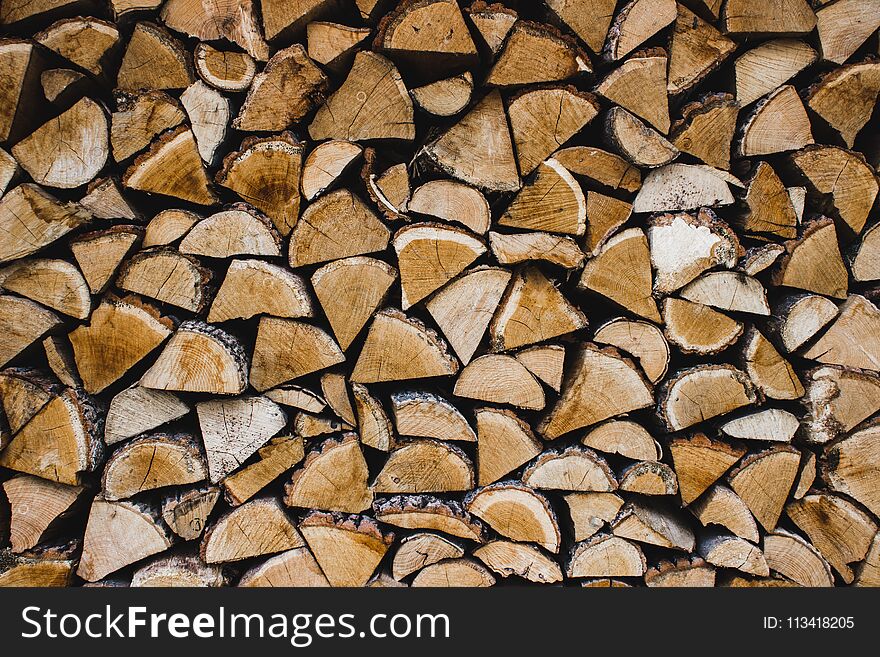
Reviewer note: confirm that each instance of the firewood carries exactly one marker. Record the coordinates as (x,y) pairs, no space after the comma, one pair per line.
(9,171)
(374,427)
(601,384)
(85,42)
(454,572)
(522,560)
(233,20)
(728,291)
(545,362)
(849,340)
(347,547)
(240,230)
(640,339)
(223,69)
(845,98)
(21,63)
(186,512)
(791,556)
(426,415)
(769,371)
(208,112)
(106,201)
(169,277)
(532,53)
(806,475)
(604,555)
(121,333)
(867,574)
(500,379)
(721,507)
(452,202)
(425,466)
(139,118)
(296,567)
(478,149)
(517,512)
(606,214)
(778,123)
(845,176)
(849,467)
(764,480)
(48,566)
(706,129)
(698,329)
(641,145)
(254,287)
(118,534)
(844,26)
(690,573)
(390,190)
(23,392)
(258,528)
(760,258)
(286,90)
(326,164)
(417,351)
(504,443)
(635,23)
(837,400)
(770,208)
(649,478)
(493,23)
(306,425)
(700,462)
(154,60)
(682,187)
(653,524)
(621,272)
(590,512)
(37,505)
(284,20)
(22,323)
(727,551)
(639,85)
(333,477)
(623,437)
(338,397)
(431,513)
(445,97)
(276,457)
(572,469)
(532,310)
(59,356)
(589,19)
(552,201)
(152,462)
(199,357)
(772,424)
(769,65)
(342,215)
(178,571)
(605,168)
(54,283)
(333,45)
(865,263)
(559,250)
(696,49)
(297,397)
(137,410)
(702,392)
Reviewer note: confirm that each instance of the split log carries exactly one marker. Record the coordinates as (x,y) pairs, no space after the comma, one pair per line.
(589,19)
(604,555)
(770,208)
(286,349)
(139,118)
(504,443)
(729,291)
(769,65)
(254,529)
(424,466)
(590,512)
(849,341)
(772,424)
(336,392)
(778,123)
(706,129)
(106,201)
(837,400)
(534,53)
(770,372)
(683,187)
(186,512)
(152,462)
(208,112)
(348,548)
(638,143)
(154,59)
(296,567)
(276,457)
(697,329)
(601,166)
(545,362)
(696,49)
(764,480)
(700,462)
(850,467)
(561,250)
(59,357)
(703,392)
(431,513)
(791,556)
(22,323)
(254,287)
(801,318)
(636,22)
(42,567)
(62,85)
(653,524)
(297,397)
(326,164)
(845,98)
(517,512)
(454,573)
(333,477)
(137,410)
(168,227)
(606,215)
(391,189)
(649,478)
(426,415)
(225,70)
(240,230)
(445,97)
(552,201)
(452,201)
(642,340)
(721,507)
(493,23)
(333,45)
(374,427)
(37,506)
(508,558)
(169,277)
(639,86)
(727,551)
(178,571)
(86,42)
(53,283)
(844,27)
(21,63)
(690,573)
(865,263)
(233,20)
(624,437)
(788,17)
(500,379)
(572,469)
(284,20)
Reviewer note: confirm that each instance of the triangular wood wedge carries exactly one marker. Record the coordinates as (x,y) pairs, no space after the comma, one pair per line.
(534,52)
(178,571)
(36,505)
(374,427)
(500,379)
(254,287)
(600,166)
(23,392)
(778,123)
(139,119)
(167,276)
(706,129)
(22,323)
(653,524)
(769,65)
(53,283)
(277,457)
(169,226)
(49,566)
(508,558)
(452,201)
(851,339)
(426,415)
(348,548)
(642,340)
(589,19)
(850,466)
(152,462)
(846,97)
(137,410)
(865,263)
(333,45)
(702,392)
(429,512)
(813,262)
(492,22)
(690,572)
(420,550)
(254,529)
(186,512)
(517,512)
(208,112)
(764,480)
(837,399)
(844,27)
(545,362)
(637,142)
(604,555)
(504,443)
(700,462)
(425,466)
(327,162)
(333,477)
(770,208)
(100,253)
(286,349)
(769,371)
(591,511)
(624,437)
(636,22)
(154,60)
(639,85)
(722,507)
(296,567)
(552,201)
(727,551)
(696,49)
(572,469)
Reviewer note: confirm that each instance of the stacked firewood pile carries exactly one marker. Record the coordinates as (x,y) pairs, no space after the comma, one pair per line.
(351,292)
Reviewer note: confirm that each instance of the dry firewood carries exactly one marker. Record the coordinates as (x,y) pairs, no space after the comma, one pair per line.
(338,397)
(478,149)
(100,253)
(649,478)
(83,132)
(374,427)
(700,462)
(425,466)
(426,415)
(621,272)
(233,20)
(137,410)
(806,475)
(118,534)
(778,123)
(59,357)
(106,201)
(62,86)
(677,187)
(639,85)
(623,437)
(572,469)
(37,506)
(772,424)
(698,329)
(844,27)
(333,45)
(653,524)
(391,189)
(199,357)
(171,167)
(337,225)
(606,214)
(428,512)
(9,171)
(532,310)
(522,560)
(152,462)
(640,339)
(23,392)
(760,258)
(208,112)
(591,511)
(347,547)
(284,20)
(266,174)
(517,512)
(286,90)
(154,60)
(865,262)
(635,23)
(840,530)
(722,507)
(186,512)
(545,362)
(868,573)
(85,42)
(326,163)
(233,429)
(296,567)
(787,17)
(534,52)
(351,114)
(729,291)
(837,400)
(601,166)
(169,277)
(297,397)
(40,567)
(140,118)
(53,283)
(600,385)
(306,425)
(769,65)
(845,97)
(702,392)
(445,97)
(500,379)
(850,467)
(240,230)
(638,143)
(849,341)
(770,209)
(504,443)
(254,287)
(604,555)
(286,349)
(350,291)
(454,572)
(452,201)
(22,323)
(21,63)
(493,23)
(770,372)
(552,201)
(333,477)
(559,250)
(417,351)
(726,551)
(258,528)
(845,176)
(588,19)
(764,480)
(276,457)
(119,335)
(178,571)
(686,572)
(706,129)
(696,49)
(224,70)
(791,556)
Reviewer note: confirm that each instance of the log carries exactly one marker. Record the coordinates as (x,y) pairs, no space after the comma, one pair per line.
(51,566)
(137,410)
(604,555)
(426,415)
(636,22)
(167,276)
(375,429)
(689,573)
(590,512)
(545,362)
(178,571)
(698,329)
(849,467)
(519,559)
(842,29)
(296,567)
(845,98)
(517,512)
(572,469)
(274,360)
(257,528)
(86,42)
(727,551)
(778,123)
(696,49)
(589,19)
(168,227)
(791,556)
(154,59)
(56,284)
(445,97)
(703,392)
(431,513)
(338,397)
(332,467)
(232,20)
(652,524)
(504,443)
(424,466)
(601,166)
(186,512)
(706,129)
(326,163)
(254,287)
(649,478)
(37,508)
(500,379)
(642,340)
(454,202)
(837,400)
(641,145)
(721,507)
(226,70)
(139,118)
(848,340)
(764,480)
(333,45)
(151,462)
(535,53)
(700,462)
(624,437)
